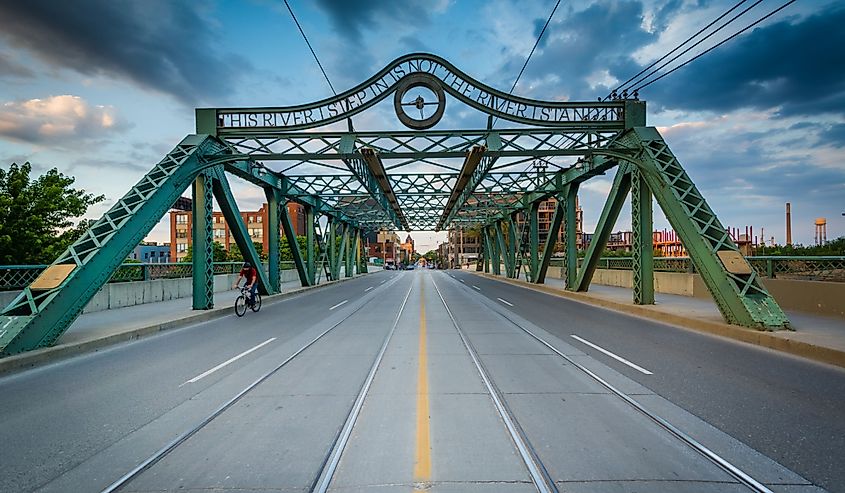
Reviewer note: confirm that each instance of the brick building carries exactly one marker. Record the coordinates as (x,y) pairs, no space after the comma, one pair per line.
(257,225)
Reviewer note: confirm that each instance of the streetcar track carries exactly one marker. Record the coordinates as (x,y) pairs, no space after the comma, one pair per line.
(173,444)
(324,476)
(538,472)
(742,477)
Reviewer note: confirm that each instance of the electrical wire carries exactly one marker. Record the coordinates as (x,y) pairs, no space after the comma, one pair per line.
(620,86)
(310,47)
(758,21)
(536,43)
(731,20)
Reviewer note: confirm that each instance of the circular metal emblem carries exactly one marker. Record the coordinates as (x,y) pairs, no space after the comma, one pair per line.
(407,105)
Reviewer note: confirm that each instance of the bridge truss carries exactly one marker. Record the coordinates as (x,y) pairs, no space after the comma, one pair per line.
(359,181)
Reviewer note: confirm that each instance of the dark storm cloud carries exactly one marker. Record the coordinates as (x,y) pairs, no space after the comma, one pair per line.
(351,17)
(166,46)
(600,37)
(795,64)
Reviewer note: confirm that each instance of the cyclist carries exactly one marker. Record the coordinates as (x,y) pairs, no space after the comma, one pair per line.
(250,275)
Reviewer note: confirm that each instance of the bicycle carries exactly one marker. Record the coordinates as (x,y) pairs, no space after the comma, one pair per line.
(242,302)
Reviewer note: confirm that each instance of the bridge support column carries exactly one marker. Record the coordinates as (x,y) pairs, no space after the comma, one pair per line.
(202,243)
(513,247)
(332,257)
(607,220)
(361,252)
(570,235)
(293,244)
(310,245)
(495,253)
(488,254)
(642,241)
(348,251)
(533,242)
(551,239)
(274,274)
(503,246)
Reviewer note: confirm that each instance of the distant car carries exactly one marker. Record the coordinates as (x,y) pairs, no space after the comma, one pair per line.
(410,267)
(389,267)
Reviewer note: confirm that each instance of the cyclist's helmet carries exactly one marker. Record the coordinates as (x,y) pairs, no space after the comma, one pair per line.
(247,265)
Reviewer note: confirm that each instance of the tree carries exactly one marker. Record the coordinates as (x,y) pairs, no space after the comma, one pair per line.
(218,252)
(36,216)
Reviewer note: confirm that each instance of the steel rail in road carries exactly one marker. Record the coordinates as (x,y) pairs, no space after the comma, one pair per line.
(539,475)
(329,467)
(164,451)
(741,476)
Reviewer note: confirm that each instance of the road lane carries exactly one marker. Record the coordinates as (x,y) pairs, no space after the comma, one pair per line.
(57,416)
(790,409)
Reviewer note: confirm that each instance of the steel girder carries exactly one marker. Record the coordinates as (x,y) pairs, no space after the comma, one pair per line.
(736,287)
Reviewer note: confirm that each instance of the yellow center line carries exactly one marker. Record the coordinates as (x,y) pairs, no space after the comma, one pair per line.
(422,460)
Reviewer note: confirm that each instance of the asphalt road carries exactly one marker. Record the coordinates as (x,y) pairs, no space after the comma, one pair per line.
(428,419)
(57,417)
(788,408)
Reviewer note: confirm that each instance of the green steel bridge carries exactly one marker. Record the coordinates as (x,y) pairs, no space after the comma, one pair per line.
(358,181)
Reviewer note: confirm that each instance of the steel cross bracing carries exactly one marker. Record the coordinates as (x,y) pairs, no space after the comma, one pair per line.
(369,180)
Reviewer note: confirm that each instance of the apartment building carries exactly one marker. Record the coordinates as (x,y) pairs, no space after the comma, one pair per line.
(257,225)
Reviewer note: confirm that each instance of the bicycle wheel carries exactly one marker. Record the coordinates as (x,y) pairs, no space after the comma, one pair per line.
(256,303)
(240,306)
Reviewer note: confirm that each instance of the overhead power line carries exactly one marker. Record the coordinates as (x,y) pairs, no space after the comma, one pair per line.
(690,38)
(536,43)
(679,55)
(758,21)
(310,47)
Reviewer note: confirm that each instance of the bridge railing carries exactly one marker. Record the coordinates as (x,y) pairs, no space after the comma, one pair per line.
(15,277)
(826,268)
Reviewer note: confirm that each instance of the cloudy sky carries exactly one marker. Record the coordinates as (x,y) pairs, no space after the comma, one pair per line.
(101,89)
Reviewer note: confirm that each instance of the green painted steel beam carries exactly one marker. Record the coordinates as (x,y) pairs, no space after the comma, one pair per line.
(310,245)
(551,238)
(570,235)
(642,240)
(471,176)
(273,240)
(43,312)
(238,229)
(202,238)
(735,285)
(533,211)
(293,244)
(607,220)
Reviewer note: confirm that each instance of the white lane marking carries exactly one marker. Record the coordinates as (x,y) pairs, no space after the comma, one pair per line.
(461,280)
(369,288)
(505,302)
(617,358)
(341,303)
(476,287)
(383,281)
(230,360)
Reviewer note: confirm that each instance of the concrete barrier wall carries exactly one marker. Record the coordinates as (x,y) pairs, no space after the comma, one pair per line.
(822,298)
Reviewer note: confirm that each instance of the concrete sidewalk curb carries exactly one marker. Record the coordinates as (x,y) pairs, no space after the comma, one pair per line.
(785,344)
(42,356)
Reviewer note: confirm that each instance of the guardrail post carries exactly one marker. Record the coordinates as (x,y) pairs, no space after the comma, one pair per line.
(274,274)
(770,268)
(570,236)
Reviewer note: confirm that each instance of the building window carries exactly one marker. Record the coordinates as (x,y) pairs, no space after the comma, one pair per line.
(181,247)
(219,233)
(260,219)
(181,219)
(181,233)
(255,232)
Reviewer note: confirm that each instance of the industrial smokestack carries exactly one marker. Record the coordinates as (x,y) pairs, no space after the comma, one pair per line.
(788,225)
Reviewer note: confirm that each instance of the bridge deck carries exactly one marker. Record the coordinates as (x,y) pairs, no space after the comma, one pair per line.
(526,414)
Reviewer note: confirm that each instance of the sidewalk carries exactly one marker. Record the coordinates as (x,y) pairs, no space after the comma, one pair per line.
(815,337)
(99,329)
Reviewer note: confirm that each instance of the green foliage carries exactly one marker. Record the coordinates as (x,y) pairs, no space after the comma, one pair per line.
(36,216)
(219,253)
(834,247)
